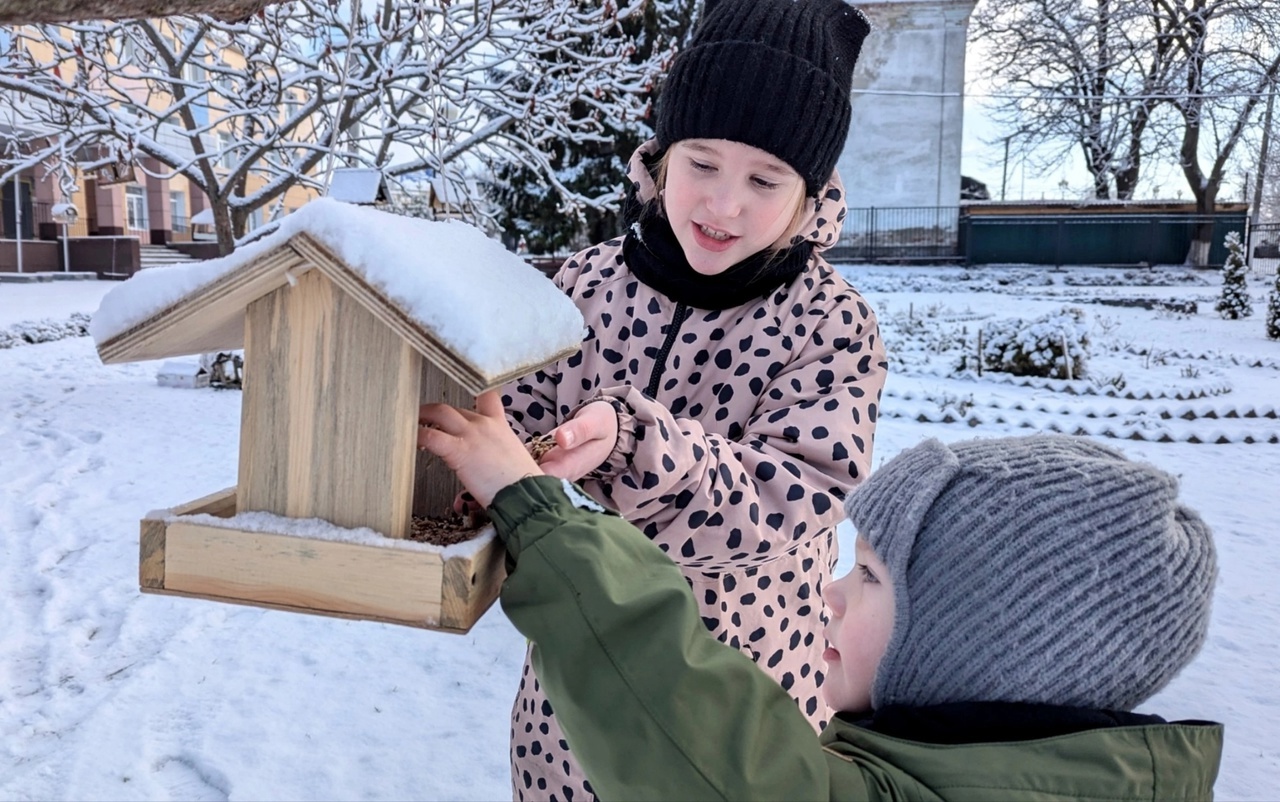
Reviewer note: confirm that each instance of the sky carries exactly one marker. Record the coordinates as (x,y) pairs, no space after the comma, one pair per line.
(110,694)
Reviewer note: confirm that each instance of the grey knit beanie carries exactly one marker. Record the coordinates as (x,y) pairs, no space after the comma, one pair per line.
(1047,569)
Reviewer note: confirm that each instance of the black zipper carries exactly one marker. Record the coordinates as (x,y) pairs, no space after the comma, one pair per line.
(682,314)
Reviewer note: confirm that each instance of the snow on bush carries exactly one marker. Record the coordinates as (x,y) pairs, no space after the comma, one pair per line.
(1234,302)
(1273,310)
(1036,348)
(43,331)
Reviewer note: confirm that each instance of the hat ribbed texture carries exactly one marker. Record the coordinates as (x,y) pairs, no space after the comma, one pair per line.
(1046,569)
(774,74)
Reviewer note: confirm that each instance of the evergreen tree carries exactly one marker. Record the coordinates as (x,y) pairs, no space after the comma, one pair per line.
(593,172)
(1273,310)
(1234,301)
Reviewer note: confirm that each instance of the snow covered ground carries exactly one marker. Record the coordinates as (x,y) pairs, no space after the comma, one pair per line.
(107,694)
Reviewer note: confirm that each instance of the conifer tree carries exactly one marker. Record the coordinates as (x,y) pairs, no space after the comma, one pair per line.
(1234,304)
(1273,310)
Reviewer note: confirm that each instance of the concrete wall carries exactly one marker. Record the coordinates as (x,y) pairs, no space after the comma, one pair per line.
(904,142)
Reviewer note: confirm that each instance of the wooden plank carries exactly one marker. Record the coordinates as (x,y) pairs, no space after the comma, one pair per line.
(221,504)
(303,573)
(470,585)
(425,341)
(330,410)
(435,484)
(151,562)
(209,319)
(151,553)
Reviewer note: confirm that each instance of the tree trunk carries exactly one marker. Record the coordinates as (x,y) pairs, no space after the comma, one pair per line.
(222,225)
(1202,239)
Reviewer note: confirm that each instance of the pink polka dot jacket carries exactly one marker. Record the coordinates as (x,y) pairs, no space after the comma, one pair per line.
(740,432)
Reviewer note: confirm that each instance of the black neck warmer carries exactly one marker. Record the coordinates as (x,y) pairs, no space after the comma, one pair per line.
(654,254)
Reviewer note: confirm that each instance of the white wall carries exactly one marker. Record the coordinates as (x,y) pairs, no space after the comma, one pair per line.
(903,149)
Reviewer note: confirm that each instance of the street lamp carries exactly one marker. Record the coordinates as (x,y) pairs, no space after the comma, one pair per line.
(66,214)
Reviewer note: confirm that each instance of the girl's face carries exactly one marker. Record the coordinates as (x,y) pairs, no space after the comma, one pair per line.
(861,608)
(727,201)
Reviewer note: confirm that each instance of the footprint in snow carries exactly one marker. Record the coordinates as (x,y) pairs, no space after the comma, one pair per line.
(183,777)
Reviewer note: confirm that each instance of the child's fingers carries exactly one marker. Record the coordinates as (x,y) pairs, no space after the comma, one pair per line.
(438,442)
(489,404)
(443,417)
(569,434)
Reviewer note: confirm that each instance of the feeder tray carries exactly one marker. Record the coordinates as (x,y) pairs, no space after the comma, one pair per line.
(444,589)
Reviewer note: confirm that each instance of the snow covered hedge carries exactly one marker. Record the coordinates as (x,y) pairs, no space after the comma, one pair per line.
(1036,348)
(43,331)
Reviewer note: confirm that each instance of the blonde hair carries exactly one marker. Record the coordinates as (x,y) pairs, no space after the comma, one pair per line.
(659,171)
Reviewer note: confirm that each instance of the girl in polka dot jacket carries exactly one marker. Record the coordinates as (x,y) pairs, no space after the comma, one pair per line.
(725,397)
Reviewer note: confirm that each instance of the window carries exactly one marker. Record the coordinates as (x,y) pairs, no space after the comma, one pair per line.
(178,210)
(136,208)
(290,104)
(227,157)
(194,71)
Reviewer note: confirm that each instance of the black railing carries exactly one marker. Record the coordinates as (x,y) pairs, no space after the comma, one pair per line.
(906,234)
(1263,252)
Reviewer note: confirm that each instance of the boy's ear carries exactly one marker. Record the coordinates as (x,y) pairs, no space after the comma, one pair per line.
(889,508)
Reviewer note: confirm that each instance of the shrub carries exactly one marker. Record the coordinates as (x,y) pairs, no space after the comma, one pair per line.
(1036,348)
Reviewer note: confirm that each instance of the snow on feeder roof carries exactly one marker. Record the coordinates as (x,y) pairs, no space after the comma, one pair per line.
(457,296)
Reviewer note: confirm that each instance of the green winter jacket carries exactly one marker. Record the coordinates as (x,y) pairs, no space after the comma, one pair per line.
(655,708)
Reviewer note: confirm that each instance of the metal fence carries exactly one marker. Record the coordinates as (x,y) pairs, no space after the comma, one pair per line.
(959,234)
(909,234)
(37,221)
(1264,249)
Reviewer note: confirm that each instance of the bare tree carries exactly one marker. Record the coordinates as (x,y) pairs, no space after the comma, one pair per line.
(1228,59)
(1073,75)
(245,110)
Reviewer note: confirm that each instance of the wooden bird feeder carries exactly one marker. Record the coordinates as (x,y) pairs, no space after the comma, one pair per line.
(349,318)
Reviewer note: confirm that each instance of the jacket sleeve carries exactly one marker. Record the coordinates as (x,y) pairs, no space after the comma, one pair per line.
(715,503)
(653,707)
(531,401)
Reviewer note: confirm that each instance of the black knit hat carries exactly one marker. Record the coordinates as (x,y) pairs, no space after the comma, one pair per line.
(774,74)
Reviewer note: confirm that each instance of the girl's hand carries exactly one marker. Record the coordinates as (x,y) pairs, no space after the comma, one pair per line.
(479,446)
(583,442)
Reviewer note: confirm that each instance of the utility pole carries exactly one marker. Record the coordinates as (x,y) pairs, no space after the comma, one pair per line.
(1004,172)
(1262,157)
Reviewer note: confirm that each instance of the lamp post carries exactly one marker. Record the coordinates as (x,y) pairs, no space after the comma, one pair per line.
(65,214)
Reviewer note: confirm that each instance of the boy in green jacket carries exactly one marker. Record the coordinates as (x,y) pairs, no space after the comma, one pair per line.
(1013,600)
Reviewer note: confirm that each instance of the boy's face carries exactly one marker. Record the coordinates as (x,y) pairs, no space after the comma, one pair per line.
(727,201)
(861,608)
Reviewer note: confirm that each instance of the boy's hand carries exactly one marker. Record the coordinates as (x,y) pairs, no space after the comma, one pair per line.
(583,442)
(479,446)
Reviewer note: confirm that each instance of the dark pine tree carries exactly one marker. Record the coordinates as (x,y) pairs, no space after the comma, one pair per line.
(533,210)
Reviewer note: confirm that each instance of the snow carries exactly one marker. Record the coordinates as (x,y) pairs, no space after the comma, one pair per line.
(319,529)
(108,694)
(449,277)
